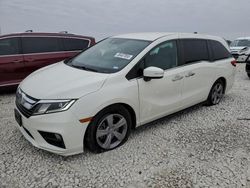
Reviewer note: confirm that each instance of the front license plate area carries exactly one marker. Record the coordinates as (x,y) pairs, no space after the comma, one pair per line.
(18,118)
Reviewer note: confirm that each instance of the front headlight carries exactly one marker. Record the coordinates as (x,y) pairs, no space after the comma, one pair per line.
(244,50)
(52,106)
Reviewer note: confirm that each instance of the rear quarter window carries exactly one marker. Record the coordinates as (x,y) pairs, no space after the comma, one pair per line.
(194,50)
(71,44)
(218,50)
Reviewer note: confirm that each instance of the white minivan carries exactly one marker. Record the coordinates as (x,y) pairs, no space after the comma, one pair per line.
(96,98)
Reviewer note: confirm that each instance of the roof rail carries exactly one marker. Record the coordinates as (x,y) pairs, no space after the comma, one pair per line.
(29,31)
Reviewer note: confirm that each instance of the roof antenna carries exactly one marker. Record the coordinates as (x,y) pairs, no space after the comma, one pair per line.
(64,32)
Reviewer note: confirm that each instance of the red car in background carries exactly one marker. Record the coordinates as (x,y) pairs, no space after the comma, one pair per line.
(23,53)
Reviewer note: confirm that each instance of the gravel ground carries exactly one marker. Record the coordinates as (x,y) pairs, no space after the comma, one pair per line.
(199,147)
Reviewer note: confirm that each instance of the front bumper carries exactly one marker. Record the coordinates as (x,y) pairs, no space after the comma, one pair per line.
(63,123)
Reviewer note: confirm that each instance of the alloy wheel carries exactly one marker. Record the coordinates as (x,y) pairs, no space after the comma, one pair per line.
(217,93)
(111,131)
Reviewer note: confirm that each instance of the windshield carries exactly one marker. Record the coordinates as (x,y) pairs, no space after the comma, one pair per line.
(108,56)
(236,43)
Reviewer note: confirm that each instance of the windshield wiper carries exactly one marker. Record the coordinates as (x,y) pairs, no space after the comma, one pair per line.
(85,68)
(67,61)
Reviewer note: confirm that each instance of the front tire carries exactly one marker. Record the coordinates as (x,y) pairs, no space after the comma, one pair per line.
(109,129)
(248,74)
(216,93)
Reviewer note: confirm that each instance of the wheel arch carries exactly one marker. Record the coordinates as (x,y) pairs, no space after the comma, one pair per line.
(224,81)
(127,106)
(130,109)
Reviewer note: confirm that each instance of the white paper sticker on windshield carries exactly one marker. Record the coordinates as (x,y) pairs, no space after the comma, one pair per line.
(123,56)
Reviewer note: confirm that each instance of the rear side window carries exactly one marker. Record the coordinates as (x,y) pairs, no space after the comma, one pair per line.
(194,50)
(219,51)
(40,44)
(71,44)
(9,46)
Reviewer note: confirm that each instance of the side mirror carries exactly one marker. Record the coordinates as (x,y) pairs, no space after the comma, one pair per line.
(152,73)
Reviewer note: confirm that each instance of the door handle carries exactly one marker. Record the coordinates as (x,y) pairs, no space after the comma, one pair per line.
(190,74)
(177,77)
(30,59)
(17,61)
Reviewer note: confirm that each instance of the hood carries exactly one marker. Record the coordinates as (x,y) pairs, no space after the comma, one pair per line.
(237,48)
(60,81)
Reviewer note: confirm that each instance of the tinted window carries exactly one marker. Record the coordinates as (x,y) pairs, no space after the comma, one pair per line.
(195,50)
(219,51)
(40,44)
(74,44)
(163,56)
(9,46)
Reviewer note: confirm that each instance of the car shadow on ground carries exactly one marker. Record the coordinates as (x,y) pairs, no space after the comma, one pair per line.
(8,90)
(142,129)
(162,121)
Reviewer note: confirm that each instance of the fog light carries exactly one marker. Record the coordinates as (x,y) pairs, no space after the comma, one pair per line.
(54,139)
(58,137)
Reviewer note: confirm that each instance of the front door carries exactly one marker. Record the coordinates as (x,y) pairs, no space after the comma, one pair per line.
(160,97)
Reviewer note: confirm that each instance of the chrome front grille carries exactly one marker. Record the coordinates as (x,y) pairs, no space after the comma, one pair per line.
(25,103)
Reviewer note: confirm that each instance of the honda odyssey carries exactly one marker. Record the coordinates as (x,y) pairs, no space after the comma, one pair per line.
(96,98)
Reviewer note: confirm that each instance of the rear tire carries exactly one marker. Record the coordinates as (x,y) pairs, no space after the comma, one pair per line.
(248,74)
(109,129)
(216,93)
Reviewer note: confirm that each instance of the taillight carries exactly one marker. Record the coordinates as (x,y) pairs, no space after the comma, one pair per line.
(234,62)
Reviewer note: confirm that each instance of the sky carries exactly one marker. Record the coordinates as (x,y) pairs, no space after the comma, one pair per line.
(102,18)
